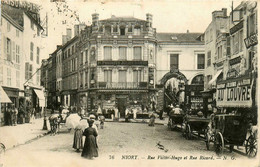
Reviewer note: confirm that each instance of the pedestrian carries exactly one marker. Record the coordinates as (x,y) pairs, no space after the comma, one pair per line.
(78,142)
(152,120)
(90,145)
(134,112)
(15,116)
(10,118)
(116,114)
(102,121)
(32,116)
(127,114)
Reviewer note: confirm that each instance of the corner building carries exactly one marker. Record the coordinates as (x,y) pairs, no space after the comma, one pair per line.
(116,63)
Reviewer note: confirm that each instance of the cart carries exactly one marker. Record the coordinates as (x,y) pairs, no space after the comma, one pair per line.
(192,124)
(232,130)
(174,120)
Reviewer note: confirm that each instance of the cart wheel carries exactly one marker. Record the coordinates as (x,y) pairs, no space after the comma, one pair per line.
(207,138)
(251,146)
(188,132)
(219,143)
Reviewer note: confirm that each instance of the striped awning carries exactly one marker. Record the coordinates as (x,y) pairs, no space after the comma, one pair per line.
(3,96)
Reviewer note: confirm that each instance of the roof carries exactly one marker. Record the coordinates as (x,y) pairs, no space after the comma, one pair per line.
(127,18)
(179,37)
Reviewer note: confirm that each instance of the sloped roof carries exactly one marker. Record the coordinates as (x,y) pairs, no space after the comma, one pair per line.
(179,37)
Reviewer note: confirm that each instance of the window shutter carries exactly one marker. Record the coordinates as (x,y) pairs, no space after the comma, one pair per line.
(5,47)
(13,51)
(26,71)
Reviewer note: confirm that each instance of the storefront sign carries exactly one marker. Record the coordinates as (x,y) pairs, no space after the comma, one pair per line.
(251,41)
(23,5)
(236,27)
(145,63)
(236,94)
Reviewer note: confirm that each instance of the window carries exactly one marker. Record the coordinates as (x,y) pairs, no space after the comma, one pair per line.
(9,49)
(38,77)
(137,76)
(86,78)
(137,52)
(252,25)
(9,77)
(82,58)
(69,52)
(17,54)
(17,79)
(174,61)
(122,76)
(108,76)
(228,46)
(81,79)
(219,52)
(235,43)
(115,28)
(1,75)
(107,53)
(122,53)
(27,66)
(130,28)
(201,61)
(241,41)
(122,30)
(137,30)
(72,50)
(32,25)
(86,54)
(8,27)
(108,29)
(209,58)
(30,71)
(17,33)
(13,50)
(31,51)
(38,55)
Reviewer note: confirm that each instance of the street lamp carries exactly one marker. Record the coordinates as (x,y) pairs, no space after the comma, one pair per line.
(45,117)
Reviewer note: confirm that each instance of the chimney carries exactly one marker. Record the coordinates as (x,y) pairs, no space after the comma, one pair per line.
(149,19)
(76,30)
(95,18)
(188,31)
(69,33)
(64,39)
(224,10)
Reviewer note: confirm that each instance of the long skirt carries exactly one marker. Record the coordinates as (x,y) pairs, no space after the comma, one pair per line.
(90,147)
(78,142)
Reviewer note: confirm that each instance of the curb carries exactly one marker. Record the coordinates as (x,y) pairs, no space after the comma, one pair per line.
(29,141)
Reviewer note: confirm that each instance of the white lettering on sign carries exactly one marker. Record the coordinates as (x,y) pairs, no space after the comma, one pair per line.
(234,96)
(231,84)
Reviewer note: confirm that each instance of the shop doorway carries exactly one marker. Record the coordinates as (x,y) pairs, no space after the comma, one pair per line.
(121,104)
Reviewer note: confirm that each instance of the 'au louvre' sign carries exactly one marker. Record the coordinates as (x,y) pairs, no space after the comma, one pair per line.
(251,40)
(145,63)
(234,94)
(22,4)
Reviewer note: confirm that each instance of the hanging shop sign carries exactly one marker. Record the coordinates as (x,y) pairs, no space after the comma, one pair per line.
(237,27)
(236,93)
(251,41)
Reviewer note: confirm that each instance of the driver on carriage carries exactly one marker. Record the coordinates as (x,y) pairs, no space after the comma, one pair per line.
(177,110)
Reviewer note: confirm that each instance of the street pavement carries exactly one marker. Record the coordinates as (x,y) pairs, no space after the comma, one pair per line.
(117,143)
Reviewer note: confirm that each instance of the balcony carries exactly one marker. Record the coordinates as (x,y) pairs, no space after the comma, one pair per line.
(122,85)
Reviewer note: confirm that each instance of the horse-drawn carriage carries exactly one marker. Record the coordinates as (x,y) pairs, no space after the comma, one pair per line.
(194,124)
(232,130)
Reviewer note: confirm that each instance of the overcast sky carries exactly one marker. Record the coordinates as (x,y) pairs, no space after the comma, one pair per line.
(168,16)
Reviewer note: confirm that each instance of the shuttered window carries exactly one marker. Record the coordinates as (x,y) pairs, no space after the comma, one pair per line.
(137,53)
(108,76)
(31,51)
(201,61)
(107,53)
(122,53)
(137,76)
(174,61)
(38,55)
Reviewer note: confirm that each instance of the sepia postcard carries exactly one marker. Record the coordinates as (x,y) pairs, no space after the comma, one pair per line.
(129,83)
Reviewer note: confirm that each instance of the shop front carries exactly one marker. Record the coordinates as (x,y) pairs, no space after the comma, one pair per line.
(193,97)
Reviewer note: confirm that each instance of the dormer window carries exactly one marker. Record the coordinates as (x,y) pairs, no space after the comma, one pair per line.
(137,30)
(108,29)
(130,28)
(122,30)
(174,38)
(115,28)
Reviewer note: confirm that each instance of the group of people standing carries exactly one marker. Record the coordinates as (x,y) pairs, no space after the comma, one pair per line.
(11,115)
(90,147)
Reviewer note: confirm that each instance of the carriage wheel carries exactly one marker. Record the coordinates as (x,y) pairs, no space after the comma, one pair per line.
(188,132)
(207,138)
(251,146)
(219,143)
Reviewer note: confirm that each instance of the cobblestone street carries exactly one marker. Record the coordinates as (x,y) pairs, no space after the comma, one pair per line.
(118,142)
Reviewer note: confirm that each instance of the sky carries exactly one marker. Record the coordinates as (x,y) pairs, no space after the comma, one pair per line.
(168,15)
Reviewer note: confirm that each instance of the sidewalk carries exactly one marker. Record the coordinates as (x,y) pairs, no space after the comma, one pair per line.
(12,136)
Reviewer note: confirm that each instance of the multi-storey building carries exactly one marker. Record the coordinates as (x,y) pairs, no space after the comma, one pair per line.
(20,55)
(115,59)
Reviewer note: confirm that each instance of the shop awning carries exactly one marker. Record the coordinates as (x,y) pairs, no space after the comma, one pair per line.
(41,97)
(215,77)
(3,96)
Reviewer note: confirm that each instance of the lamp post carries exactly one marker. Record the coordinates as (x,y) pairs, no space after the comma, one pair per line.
(45,117)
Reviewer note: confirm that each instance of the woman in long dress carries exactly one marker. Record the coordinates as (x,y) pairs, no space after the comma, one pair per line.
(90,145)
(78,142)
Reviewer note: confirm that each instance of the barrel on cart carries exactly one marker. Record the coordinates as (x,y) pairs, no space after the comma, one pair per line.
(233,130)
(194,124)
